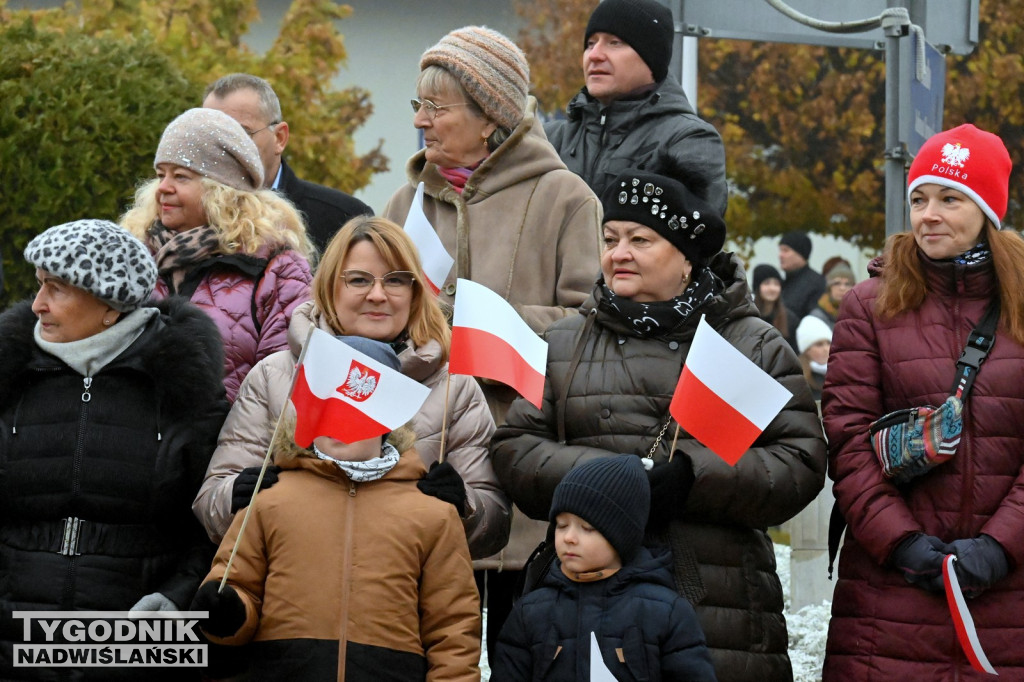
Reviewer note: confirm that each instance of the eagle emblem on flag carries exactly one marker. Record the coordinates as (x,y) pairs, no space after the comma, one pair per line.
(361,382)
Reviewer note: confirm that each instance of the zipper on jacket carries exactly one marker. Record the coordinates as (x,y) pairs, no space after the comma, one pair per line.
(346,580)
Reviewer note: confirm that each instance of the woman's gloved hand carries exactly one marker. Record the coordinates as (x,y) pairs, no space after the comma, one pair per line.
(920,559)
(670,486)
(245,484)
(980,563)
(444,483)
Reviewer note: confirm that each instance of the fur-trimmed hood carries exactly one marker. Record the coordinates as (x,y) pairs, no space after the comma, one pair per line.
(180,349)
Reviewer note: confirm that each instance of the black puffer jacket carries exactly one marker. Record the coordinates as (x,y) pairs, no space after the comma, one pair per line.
(659,132)
(127,463)
(616,401)
(635,612)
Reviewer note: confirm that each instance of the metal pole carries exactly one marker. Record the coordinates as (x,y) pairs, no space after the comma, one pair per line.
(895,150)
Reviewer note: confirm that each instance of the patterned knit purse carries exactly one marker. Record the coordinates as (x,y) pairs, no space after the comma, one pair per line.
(914,440)
(910,442)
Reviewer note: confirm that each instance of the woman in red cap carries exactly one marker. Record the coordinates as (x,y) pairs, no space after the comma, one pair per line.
(895,346)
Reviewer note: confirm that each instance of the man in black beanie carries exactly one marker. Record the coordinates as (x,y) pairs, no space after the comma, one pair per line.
(803,286)
(632,113)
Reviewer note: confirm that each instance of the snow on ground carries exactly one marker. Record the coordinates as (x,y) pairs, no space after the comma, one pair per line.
(807,630)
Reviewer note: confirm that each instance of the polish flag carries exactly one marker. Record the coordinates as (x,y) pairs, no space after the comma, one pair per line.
(490,340)
(436,261)
(347,395)
(723,399)
(962,620)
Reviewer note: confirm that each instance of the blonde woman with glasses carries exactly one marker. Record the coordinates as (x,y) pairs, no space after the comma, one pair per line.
(370,284)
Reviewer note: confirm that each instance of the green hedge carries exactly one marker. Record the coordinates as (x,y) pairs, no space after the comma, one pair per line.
(79,124)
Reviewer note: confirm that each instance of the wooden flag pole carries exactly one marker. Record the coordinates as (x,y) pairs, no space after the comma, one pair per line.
(266,461)
(444,418)
(675,437)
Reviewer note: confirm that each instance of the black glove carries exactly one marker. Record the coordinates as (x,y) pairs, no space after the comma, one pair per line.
(670,486)
(444,483)
(227,612)
(245,483)
(920,559)
(980,563)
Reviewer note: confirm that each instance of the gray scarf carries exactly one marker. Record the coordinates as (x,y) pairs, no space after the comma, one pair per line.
(371,469)
(89,355)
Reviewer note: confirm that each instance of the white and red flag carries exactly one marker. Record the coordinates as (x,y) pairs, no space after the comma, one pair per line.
(434,257)
(962,620)
(347,395)
(490,340)
(723,399)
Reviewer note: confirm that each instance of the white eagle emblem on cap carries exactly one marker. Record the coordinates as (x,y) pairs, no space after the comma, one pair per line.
(955,155)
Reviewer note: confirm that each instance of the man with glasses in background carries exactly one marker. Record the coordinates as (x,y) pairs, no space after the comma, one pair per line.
(252,102)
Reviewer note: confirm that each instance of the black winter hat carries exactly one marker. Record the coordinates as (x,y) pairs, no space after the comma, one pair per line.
(798,241)
(670,209)
(761,273)
(611,494)
(645,25)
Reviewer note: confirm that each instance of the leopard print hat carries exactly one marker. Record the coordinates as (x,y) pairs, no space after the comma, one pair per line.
(100,257)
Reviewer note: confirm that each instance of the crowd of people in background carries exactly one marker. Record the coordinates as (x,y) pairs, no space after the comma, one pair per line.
(143,386)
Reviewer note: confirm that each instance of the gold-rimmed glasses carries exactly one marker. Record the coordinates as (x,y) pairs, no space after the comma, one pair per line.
(432,108)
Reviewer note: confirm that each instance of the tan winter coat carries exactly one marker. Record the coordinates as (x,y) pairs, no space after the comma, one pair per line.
(524,226)
(247,431)
(346,580)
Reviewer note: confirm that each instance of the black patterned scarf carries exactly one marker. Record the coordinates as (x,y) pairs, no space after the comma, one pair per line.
(973,255)
(660,317)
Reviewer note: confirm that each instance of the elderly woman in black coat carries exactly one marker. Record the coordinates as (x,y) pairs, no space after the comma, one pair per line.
(109,410)
(611,374)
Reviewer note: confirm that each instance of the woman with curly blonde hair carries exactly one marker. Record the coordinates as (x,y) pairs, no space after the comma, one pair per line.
(238,252)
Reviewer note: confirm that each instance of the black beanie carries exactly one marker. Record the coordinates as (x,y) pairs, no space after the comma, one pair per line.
(645,25)
(612,495)
(670,209)
(798,241)
(761,273)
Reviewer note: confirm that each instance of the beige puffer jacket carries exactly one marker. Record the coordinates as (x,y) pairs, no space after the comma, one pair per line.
(247,432)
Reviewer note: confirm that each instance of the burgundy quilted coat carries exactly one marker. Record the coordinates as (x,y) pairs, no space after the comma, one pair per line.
(225,291)
(882,627)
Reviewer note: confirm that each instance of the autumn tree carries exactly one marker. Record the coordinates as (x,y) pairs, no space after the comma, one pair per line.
(89,87)
(803,126)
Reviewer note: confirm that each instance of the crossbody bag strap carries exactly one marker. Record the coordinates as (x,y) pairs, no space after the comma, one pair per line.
(979,343)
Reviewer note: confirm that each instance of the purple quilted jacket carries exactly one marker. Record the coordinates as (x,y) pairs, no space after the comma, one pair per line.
(251,299)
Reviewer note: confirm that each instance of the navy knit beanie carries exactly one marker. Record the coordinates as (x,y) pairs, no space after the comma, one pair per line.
(612,495)
(645,25)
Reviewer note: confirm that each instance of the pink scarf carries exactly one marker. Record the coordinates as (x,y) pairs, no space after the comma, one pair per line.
(457,177)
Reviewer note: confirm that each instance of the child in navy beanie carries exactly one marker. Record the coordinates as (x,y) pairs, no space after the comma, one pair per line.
(604,586)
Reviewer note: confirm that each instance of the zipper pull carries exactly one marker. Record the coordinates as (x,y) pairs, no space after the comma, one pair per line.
(87,383)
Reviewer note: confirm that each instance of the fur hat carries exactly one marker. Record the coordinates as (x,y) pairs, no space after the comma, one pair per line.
(213,144)
(670,209)
(970,160)
(490,67)
(378,350)
(761,273)
(811,330)
(645,25)
(798,241)
(611,494)
(100,257)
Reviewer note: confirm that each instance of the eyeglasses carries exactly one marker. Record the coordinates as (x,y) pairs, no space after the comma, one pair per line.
(432,108)
(360,280)
(252,133)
